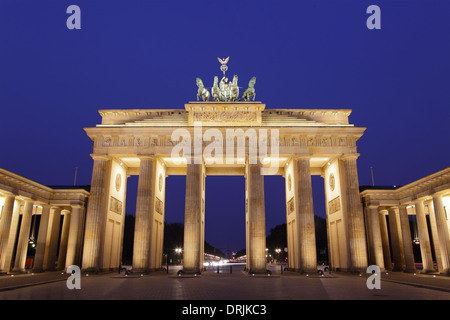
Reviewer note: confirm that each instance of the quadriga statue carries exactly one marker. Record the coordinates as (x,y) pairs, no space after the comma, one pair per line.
(249,93)
(202,92)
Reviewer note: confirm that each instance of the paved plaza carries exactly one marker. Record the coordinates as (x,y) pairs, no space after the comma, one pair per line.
(225,285)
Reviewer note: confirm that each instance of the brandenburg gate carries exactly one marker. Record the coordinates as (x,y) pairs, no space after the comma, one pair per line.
(224,138)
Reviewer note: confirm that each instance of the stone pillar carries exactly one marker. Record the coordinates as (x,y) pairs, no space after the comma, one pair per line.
(24,235)
(377,243)
(5,227)
(52,240)
(38,265)
(305,215)
(385,240)
(96,213)
(396,239)
(193,219)
(12,235)
(428,204)
(407,241)
(256,219)
(67,218)
(74,233)
(353,208)
(424,238)
(144,208)
(443,232)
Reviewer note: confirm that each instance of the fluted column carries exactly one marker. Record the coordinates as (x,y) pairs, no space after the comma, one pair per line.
(443,232)
(74,231)
(67,218)
(144,207)
(424,238)
(385,240)
(24,235)
(38,265)
(256,219)
(396,239)
(376,237)
(96,213)
(433,234)
(5,227)
(407,241)
(193,219)
(52,240)
(353,208)
(305,215)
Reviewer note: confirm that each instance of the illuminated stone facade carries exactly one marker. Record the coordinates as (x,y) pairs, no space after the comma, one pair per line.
(297,143)
(20,196)
(428,199)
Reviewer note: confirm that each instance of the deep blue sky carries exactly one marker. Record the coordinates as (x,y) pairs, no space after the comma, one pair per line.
(147,54)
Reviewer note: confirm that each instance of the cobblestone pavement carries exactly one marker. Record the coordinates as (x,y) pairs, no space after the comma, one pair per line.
(237,285)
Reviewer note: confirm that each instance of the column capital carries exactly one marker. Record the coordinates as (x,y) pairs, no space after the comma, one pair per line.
(350,156)
(439,194)
(147,157)
(55,208)
(393,209)
(420,200)
(100,156)
(76,206)
(301,156)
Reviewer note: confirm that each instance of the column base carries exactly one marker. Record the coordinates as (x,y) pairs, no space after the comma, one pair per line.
(19,271)
(258,271)
(410,271)
(445,272)
(195,272)
(90,270)
(428,271)
(37,270)
(139,270)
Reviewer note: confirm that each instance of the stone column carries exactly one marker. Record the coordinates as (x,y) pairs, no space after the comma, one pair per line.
(424,238)
(353,208)
(396,239)
(443,232)
(13,230)
(52,240)
(144,207)
(96,213)
(376,236)
(24,235)
(38,265)
(434,236)
(67,218)
(256,219)
(407,241)
(385,240)
(193,219)
(5,227)
(74,231)
(305,215)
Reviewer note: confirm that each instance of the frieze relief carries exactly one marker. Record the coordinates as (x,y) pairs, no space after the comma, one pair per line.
(159,206)
(334,205)
(224,116)
(115,205)
(281,140)
(290,206)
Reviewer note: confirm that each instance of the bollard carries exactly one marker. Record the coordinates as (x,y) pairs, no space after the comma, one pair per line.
(231,269)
